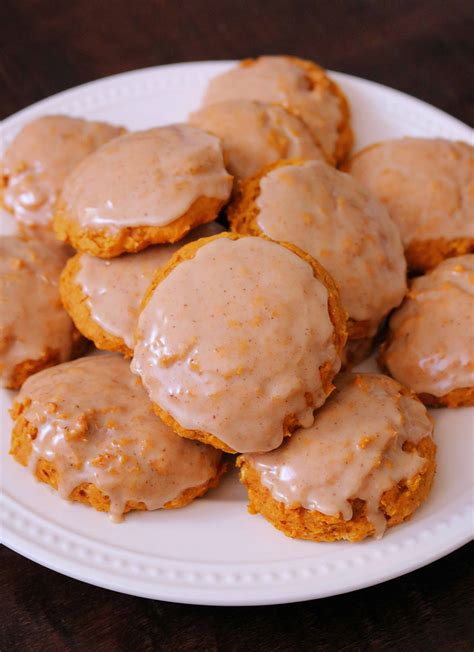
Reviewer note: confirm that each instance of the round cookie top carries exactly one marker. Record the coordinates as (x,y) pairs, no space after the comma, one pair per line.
(33,324)
(94,422)
(430,345)
(146,178)
(254,135)
(236,340)
(39,159)
(426,184)
(354,449)
(298,85)
(330,216)
(114,289)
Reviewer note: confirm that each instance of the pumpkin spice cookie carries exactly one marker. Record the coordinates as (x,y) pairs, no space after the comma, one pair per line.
(300,86)
(87,429)
(148,187)
(254,135)
(35,330)
(103,297)
(366,464)
(238,341)
(430,341)
(37,162)
(335,220)
(427,186)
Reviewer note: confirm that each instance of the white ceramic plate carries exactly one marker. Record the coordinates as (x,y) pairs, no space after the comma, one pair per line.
(213,552)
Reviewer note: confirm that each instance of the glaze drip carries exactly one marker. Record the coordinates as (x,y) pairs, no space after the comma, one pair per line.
(231,341)
(95,423)
(353,450)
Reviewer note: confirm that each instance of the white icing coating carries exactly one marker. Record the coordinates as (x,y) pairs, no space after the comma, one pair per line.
(232,340)
(33,323)
(96,425)
(431,339)
(426,184)
(327,214)
(353,450)
(41,156)
(280,80)
(255,134)
(115,288)
(147,178)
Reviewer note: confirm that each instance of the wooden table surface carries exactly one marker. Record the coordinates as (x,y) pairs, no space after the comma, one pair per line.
(420,47)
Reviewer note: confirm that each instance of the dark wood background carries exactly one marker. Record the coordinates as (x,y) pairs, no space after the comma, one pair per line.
(420,47)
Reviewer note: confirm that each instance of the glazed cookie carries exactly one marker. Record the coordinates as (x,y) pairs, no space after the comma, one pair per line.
(103,297)
(35,330)
(239,340)
(39,159)
(87,429)
(335,220)
(430,342)
(254,135)
(427,186)
(301,87)
(366,464)
(148,187)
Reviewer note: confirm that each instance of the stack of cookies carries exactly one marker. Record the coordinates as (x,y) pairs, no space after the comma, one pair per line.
(232,270)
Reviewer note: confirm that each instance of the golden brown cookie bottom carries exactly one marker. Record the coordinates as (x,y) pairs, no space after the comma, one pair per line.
(423,255)
(337,315)
(462,397)
(243,211)
(49,358)
(75,304)
(87,493)
(397,504)
(361,341)
(107,243)
(290,424)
